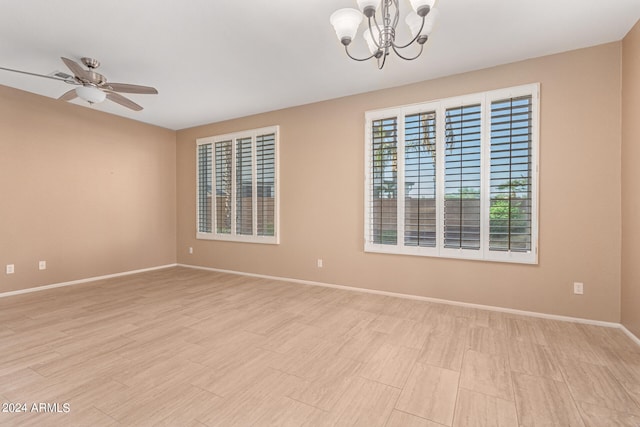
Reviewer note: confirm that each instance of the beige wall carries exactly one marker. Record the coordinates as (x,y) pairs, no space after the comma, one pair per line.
(89,192)
(94,194)
(321,169)
(631,180)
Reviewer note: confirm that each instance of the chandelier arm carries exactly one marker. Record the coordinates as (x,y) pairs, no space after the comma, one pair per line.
(384,60)
(381,64)
(405,58)
(346,49)
(414,39)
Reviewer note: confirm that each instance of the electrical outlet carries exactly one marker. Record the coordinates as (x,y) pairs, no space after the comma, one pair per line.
(578,288)
(319,263)
(190,250)
(10,269)
(42,265)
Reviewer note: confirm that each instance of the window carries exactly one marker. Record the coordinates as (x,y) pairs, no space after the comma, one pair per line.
(455,178)
(237,186)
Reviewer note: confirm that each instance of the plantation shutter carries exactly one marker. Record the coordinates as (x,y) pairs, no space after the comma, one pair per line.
(511,175)
(237,186)
(266,176)
(204,188)
(244,187)
(455,178)
(420,180)
(384,182)
(223,186)
(462,174)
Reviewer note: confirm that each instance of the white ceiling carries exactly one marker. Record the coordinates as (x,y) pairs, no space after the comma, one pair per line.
(213,60)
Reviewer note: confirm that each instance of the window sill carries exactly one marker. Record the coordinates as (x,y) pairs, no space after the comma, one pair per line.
(466,254)
(266,240)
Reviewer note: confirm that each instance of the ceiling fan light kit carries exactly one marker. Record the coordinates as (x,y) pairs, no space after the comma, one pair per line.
(380,34)
(93,86)
(91,94)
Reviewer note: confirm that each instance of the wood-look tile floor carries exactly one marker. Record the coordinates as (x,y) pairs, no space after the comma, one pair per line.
(185,347)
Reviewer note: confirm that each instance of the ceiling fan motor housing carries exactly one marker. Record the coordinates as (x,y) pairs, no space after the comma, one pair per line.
(90,63)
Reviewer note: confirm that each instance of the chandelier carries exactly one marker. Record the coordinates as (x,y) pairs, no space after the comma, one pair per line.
(381,32)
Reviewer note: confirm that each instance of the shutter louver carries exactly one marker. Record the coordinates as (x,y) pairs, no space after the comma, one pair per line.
(511,175)
(223,187)
(384,182)
(244,187)
(420,180)
(266,180)
(462,218)
(204,188)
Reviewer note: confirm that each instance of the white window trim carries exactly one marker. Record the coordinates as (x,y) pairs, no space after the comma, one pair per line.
(439,106)
(233,237)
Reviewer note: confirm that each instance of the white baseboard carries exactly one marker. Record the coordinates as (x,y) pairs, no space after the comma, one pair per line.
(422,298)
(76,282)
(346,288)
(630,334)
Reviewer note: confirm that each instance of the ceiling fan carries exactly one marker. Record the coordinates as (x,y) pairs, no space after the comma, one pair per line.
(93,86)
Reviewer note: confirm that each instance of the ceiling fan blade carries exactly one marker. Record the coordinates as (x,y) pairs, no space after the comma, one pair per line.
(75,68)
(127,88)
(126,102)
(68,96)
(40,75)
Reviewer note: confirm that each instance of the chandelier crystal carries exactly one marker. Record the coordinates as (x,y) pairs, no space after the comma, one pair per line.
(380,34)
